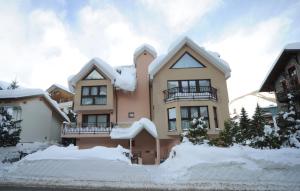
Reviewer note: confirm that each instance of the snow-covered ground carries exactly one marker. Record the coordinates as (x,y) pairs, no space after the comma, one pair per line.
(200,167)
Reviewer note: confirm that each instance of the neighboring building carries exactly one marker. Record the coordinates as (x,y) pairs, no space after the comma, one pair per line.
(284,77)
(63,96)
(40,115)
(170,90)
(249,101)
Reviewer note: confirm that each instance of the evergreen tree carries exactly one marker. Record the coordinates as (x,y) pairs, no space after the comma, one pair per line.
(197,133)
(271,138)
(227,136)
(9,129)
(13,85)
(257,128)
(289,126)
(244,133)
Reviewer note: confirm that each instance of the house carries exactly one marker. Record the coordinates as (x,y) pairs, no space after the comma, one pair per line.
(249,101)
(284,77)
(62,95)
(114,105)
(41,116)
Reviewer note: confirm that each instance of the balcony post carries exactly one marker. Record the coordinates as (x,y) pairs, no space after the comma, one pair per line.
(157,151)
(130,146)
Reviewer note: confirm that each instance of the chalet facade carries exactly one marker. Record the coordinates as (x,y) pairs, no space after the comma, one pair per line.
(284,77)
(170,90)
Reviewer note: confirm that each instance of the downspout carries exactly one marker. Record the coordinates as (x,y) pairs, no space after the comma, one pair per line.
(150,103)
(116,105)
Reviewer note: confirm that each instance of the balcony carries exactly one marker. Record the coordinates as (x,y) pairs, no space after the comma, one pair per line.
(86,129)
(190,93)
(289,85)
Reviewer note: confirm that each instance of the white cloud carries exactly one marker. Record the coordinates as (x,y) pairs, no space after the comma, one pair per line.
(180,15)
(250,51)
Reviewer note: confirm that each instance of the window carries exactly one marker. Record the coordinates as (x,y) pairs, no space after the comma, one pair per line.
(101,120)
(216,117)
(94,75)
(189,86)
(172,119)
(187,61)
(188,113)
(94,95)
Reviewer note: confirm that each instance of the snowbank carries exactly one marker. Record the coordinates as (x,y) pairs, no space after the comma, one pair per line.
(187,155)
(134,129)
(72,152)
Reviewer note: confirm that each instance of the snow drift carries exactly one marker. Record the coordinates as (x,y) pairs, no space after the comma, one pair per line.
(73,152)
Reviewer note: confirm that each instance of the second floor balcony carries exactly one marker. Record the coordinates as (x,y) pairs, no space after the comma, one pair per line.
(86,128)
(190,93)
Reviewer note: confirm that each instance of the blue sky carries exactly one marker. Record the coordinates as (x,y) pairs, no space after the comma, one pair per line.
(44,42)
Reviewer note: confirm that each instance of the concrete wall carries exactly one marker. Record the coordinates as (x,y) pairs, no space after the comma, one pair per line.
(159,84)
(39,123)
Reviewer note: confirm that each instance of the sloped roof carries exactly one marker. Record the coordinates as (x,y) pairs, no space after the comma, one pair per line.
(134,129)
(125,80)
(54,86)
(212,57)
(24,93)
(278,66)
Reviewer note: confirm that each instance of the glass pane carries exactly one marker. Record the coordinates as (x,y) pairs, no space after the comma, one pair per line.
(91,120)
(203,112)
(192,86)
(101,118)
(194,112)
(100,100)
(85,91)
(204,83)
(94,75)
(94,90)
(87,101)
(184,112)
(172,125)
(185,86)
(103,90)
(172,84)
(187,61)
(185,124)
(172,113)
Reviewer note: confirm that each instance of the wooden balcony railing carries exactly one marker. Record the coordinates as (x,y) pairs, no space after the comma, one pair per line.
(203,92)
(86,128)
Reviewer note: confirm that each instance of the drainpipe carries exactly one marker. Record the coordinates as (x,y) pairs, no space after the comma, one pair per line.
(116,105)
(150,96)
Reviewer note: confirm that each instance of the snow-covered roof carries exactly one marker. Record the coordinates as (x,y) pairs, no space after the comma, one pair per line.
(4,85)
(212,57)
(141,49)
(125,80)
(51,88)
(134,129)
(288,47)
(22,93)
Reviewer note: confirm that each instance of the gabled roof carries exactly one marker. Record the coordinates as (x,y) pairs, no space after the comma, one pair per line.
(25,93)
(212,57)
(144,47)
(134,130)
(94,63)
(279,65)
(125,80)
(58,86)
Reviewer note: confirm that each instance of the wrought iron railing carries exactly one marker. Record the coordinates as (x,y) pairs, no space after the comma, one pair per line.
(86,128)
(192,92)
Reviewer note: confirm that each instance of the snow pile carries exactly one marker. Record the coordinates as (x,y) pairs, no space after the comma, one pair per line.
(212,57)
(4,85)
(126,79)
(134,129)
(187,155)
(72,152)
(21,93)
(144,47)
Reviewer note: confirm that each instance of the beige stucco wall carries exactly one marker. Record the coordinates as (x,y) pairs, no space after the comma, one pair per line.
(159,84)
(39,123)
(109,108)
(137,101)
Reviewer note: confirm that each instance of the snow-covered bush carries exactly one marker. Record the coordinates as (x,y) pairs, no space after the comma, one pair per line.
(197,132)
(9,128)
(227,137)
